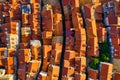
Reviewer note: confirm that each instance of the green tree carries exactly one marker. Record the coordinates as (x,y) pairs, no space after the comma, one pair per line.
(104,52)
(95,63)
(104,56)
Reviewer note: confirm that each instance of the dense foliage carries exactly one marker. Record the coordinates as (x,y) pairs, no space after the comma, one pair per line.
(104,56)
